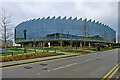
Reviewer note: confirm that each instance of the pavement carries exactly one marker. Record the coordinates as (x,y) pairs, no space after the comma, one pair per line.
(95,65)
(11,63)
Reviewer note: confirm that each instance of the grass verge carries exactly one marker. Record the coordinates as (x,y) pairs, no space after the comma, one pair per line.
(16,51)
(77,51)
(95,48)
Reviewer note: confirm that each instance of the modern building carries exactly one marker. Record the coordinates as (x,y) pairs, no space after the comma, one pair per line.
(63,32)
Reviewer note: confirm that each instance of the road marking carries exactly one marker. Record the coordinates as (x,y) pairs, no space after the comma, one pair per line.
(65,66)
(88,59)
(49,70)
(58,68)
(110,72)
(71,64)
(20,65)
(92,59)
(38,74)
(113,73)
(35,62)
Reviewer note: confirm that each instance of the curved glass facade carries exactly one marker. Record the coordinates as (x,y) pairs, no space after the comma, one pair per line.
(37,29)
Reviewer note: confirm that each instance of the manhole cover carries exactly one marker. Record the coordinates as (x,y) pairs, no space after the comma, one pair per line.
(43,64)
(28,67)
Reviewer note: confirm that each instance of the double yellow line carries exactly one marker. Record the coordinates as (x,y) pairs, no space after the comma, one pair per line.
(111,73)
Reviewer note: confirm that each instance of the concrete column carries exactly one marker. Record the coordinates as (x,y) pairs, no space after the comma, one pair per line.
(71,43)
(61,44)
(33,44)
(40,44)
(80,44)
(29,44)
(89,44)
(21,45)
(110,44)
(43,44)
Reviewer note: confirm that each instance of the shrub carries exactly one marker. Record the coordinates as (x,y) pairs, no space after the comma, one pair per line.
(84,48)
(11,58)
(6,59)
(16,58)
(2,59)
(28,56)
(52,46)
(109,47)
(47,50)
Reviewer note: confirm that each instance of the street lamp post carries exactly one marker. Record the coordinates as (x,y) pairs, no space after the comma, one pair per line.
(76,42)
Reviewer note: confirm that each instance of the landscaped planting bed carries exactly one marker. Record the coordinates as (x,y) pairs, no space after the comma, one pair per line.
(29,56)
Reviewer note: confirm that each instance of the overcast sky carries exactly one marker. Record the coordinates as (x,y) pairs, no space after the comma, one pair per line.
(105,12)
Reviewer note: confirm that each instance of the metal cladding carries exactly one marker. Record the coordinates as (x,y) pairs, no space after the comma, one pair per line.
(41,27)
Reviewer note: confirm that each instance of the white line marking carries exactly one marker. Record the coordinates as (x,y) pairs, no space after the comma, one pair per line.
(58,68)
(70,65)
(49,70)
(38,74)
(65,66)
(88,59)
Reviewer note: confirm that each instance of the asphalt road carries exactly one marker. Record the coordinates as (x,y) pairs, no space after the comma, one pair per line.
(95,65)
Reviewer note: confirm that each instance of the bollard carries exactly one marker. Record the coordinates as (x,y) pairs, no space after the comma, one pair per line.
(98,48)
(55,50)
(24,50)
(35,50)
(65,49)
(76,48)
(12,53)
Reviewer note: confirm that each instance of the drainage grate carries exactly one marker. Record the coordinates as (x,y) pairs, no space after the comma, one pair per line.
(45,68)
(43,64)
(28,67)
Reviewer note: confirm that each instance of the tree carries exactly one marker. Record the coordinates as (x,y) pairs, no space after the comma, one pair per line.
(85,31)
(34,43)
(44,35)
(30,38)
(6,27)
(112,39)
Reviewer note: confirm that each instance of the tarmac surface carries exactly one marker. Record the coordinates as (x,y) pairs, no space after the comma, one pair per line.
(95,65)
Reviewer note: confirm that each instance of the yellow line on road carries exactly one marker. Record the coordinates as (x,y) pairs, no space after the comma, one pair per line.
(36,62)
(20,65)
(113,73)
(110,72)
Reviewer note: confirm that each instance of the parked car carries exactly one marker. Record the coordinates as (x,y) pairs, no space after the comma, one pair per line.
(99,45)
